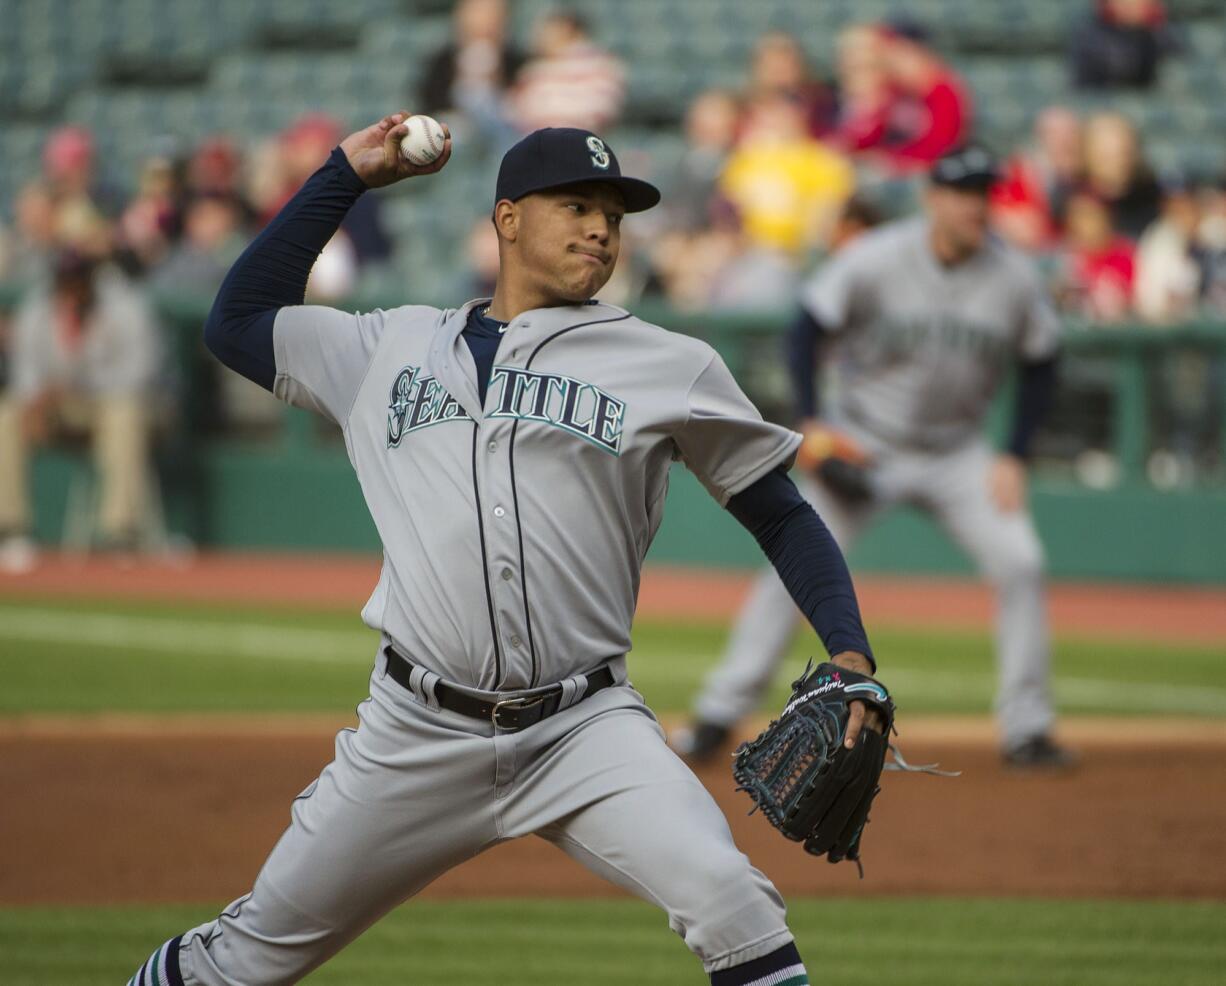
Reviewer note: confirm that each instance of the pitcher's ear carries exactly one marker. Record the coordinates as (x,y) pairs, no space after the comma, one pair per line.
(506,220)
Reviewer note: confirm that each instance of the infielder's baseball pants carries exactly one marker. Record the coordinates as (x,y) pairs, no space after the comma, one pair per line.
(953,489)
(415,790)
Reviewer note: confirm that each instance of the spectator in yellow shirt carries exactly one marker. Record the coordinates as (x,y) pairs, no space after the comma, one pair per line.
(786,186)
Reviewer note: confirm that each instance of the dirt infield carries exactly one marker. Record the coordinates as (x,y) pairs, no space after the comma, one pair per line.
(151,810)
(109,809)
(1193,615)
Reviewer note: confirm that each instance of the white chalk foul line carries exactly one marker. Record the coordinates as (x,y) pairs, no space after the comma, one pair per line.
(263,641)
(979,686)
(276,642)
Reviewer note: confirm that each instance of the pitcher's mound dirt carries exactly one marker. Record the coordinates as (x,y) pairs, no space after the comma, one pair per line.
(101,814)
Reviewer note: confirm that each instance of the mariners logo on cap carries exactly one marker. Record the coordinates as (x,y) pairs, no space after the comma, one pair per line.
(600,153)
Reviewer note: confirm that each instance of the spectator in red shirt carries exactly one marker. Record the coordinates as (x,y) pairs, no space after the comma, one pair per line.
(902,103)
(1100,264)
(1028,202)
(864,86)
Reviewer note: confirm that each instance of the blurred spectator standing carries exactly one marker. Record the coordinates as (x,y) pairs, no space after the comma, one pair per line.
(903,104)
(779,68)
(1175,265)
(1168,274)
(570,81)
(470,75)
(1028,202)
(1118,174)
(1119,44)
(85,356)
(1099,263)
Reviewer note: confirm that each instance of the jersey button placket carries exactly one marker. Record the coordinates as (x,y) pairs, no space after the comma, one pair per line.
(504,554)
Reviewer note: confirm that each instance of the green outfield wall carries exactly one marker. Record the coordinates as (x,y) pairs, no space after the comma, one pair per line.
(295,490)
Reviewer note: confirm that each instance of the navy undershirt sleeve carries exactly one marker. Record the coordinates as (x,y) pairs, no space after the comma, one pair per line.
(803,340)
(808,560)
(1035,388)
(272,272)
(483,334)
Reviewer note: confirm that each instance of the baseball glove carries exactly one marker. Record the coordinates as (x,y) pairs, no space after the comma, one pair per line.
(837,461)
(806,782)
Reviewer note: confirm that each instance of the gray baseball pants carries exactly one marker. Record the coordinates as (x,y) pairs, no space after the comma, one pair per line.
(952,488)
(416,790)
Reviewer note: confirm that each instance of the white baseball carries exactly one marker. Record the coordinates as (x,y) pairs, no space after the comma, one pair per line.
(423,143)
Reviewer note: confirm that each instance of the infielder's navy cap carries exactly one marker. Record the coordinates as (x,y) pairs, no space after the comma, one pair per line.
(558,156)
(971,166)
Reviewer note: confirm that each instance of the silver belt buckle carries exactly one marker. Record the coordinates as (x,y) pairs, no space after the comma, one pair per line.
(519,702)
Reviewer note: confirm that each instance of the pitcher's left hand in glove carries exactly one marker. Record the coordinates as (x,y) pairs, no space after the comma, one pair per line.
(808,782)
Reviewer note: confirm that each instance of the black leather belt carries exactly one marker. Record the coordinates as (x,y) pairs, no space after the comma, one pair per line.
(511,714)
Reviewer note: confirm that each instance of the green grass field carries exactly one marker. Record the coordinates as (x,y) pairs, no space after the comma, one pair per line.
(529,943)
(70,657)
(66,657)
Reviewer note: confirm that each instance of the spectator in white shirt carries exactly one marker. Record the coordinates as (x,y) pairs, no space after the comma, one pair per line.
(571,81)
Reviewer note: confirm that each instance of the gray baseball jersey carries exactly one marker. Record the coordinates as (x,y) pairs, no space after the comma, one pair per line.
(514,532)
(922,348)
(920,351)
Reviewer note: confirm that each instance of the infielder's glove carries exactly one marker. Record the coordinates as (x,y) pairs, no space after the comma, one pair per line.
(837,461)
(808,784)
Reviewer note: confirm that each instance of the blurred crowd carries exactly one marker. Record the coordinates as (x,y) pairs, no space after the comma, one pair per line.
(752,199)
(771,176)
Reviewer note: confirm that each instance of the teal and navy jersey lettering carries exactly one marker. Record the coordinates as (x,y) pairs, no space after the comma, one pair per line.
(543,495)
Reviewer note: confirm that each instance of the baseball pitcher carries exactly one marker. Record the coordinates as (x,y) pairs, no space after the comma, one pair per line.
(921,319)
(514,454)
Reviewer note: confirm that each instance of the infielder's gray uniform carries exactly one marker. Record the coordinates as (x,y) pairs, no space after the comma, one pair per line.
(920,351)
(513,537)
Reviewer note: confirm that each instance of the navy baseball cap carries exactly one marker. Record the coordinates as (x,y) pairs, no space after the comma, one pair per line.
(559,156)
(971,166)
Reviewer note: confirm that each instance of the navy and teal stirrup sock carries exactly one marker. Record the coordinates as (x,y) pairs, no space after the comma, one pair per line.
(781,968)
(162,967)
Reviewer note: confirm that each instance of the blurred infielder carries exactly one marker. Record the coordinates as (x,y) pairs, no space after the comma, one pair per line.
(923,318)
(514,454)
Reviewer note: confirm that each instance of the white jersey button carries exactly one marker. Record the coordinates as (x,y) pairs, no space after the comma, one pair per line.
(507,575)
(492,446)
(516,642)
(499,512)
